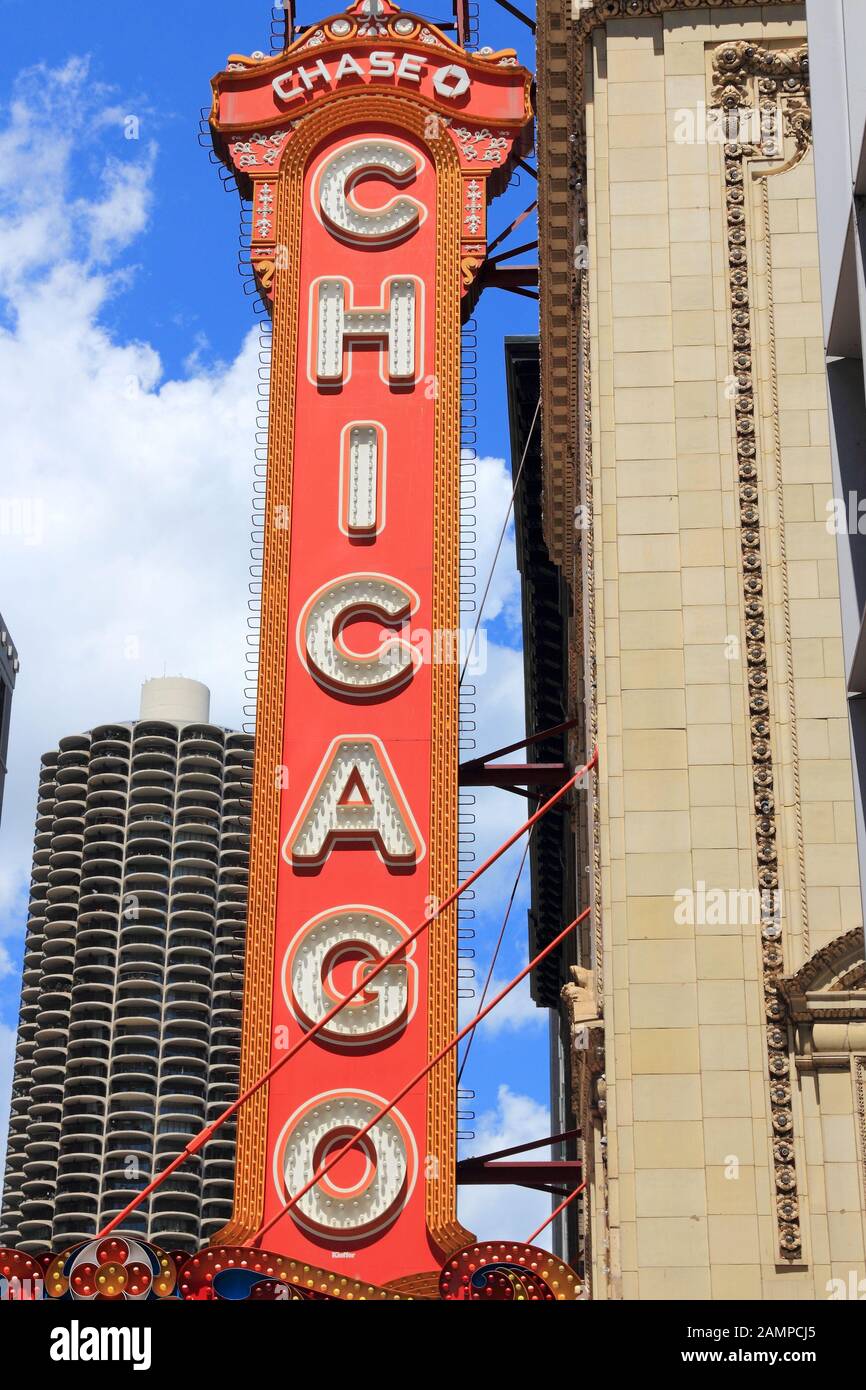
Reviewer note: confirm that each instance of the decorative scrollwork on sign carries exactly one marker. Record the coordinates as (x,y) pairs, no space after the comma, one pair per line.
(263,215)
(485,145)
(471,261)
(260,149)
(126,1270)
(265,268)
(505,1272)
(781,82)
(475,206)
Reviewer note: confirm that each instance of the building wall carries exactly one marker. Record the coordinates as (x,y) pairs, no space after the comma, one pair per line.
(129,1034)
(710,647)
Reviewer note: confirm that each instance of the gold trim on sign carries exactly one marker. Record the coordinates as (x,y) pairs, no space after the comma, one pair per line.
(442,1004)
(251,1160)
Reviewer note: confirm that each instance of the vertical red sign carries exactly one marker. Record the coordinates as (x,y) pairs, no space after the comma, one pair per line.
(368,149)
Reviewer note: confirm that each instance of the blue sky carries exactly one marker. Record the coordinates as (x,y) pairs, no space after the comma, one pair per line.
(127,366)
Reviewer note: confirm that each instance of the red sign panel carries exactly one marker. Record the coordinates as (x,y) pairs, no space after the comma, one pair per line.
(368,150)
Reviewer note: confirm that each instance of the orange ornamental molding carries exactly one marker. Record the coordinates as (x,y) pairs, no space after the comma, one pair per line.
(396,52)
(369,150)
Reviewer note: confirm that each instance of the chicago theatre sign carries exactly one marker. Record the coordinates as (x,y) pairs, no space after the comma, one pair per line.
(369,149)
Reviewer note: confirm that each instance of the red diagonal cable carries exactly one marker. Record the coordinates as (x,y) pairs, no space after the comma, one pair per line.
(419,1076)
(200,1139)
(553,1215)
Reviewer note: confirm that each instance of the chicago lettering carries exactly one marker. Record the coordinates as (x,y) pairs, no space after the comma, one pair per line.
(356,799)
(449,82)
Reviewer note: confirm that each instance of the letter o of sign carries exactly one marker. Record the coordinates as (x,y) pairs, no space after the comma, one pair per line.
(334,198)
(323,647)
(354,938)
(366,1191)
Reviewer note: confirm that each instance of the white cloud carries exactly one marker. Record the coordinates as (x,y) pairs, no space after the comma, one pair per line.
(47,107)
(136,558)
(517,1010)
(122,214)
(125,499)
(493,489)
(508,1213)
(499,718)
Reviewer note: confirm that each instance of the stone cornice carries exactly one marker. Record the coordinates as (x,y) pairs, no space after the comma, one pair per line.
(593,13)
(838,969)
(826,1003)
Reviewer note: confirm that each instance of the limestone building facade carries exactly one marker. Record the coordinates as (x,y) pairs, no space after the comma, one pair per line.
(711,1035)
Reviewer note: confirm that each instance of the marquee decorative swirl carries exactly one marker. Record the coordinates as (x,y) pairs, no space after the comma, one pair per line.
(113,1270)
(505,1272)
(240,1274)
(126,1270)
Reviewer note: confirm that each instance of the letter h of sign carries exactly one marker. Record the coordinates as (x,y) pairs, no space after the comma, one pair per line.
(396,319)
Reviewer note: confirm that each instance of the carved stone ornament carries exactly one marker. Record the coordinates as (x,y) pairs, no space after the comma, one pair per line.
(826,1002)
(748,78)
(579,998)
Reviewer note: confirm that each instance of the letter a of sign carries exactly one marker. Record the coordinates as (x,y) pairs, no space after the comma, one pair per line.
(368,150)
(355,799)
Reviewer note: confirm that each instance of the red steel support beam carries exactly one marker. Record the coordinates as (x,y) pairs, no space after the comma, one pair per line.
(515,251)
(518,14)
(485,772)
(519,279)
(523,743)
(461,21)
(484,1168)
(512,774)
(546,1143)
(474,1172)
(512,227)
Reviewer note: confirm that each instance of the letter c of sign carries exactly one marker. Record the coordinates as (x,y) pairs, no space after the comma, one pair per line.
(340,210)
(325,652)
